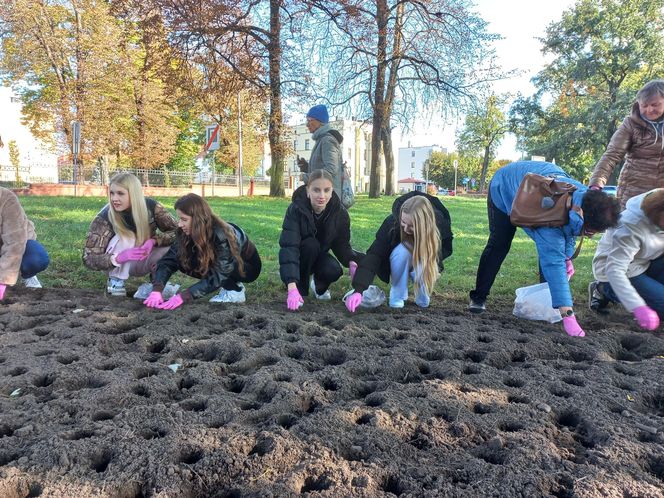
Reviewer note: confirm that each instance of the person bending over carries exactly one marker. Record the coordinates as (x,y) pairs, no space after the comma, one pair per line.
(629,262)
(411,244)
(206,247)
(591,212)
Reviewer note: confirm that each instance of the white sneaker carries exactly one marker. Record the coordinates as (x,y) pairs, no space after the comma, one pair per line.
(230,296)
(325,296)
(30,283)
(145,289)
(115,287)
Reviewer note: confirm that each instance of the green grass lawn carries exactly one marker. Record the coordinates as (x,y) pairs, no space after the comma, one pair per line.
(62,224)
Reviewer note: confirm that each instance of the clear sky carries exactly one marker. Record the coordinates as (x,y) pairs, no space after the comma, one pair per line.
(520,23)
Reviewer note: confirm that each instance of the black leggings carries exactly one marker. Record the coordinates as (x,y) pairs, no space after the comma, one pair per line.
(323,266)
(501,233)
(252,269)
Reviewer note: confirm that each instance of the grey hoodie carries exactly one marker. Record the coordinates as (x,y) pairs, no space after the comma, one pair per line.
(327,155)
(627,250)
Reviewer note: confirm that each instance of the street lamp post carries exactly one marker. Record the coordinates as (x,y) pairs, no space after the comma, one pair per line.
(456,168)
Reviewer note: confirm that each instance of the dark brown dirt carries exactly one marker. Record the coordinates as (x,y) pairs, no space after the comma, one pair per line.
(270,403)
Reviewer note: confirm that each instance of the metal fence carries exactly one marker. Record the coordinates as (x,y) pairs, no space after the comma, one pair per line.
(22,176)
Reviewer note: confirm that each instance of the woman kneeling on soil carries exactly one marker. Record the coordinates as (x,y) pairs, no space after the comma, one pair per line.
(315,222)
(629,262)
(129,235)
(208,248)
(411,244)
(21,256)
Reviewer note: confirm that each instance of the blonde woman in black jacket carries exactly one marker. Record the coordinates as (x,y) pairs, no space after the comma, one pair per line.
(315,223)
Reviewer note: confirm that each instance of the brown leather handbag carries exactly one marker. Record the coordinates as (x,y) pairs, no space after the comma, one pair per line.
(541,201)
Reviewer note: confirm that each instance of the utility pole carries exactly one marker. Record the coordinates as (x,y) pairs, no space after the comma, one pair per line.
(456,168)
(239,131)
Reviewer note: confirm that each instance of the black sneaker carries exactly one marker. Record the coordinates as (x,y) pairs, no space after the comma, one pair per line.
(477,306)
(596,300)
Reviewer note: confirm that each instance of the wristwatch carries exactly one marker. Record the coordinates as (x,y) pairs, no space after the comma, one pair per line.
(567,313)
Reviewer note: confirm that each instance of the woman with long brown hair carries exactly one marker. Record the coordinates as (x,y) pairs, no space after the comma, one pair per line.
(206,247)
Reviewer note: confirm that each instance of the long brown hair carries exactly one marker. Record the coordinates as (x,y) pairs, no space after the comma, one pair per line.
(200,241)
(425,240)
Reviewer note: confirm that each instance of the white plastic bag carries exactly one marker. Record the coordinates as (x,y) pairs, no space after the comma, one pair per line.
(144,291)
(534,303)
(371,298)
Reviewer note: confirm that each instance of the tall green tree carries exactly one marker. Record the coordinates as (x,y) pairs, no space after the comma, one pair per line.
(484,129)
(61,57)
(604,51)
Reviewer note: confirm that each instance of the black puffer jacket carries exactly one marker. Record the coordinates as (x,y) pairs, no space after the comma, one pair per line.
(299,225)
(377,260)
(217,274)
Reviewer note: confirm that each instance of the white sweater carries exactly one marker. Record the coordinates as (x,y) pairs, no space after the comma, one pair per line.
(627,250)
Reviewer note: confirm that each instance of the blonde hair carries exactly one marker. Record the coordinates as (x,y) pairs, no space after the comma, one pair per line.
(139,210)
(425,239)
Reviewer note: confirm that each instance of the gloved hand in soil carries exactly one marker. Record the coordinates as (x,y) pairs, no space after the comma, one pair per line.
(3,288)
(352,268)
(147,246)
(353,301)
(294,299)
(154,300)
(647,317)
(174,302)
(572,327)
(569,268)
(131,254)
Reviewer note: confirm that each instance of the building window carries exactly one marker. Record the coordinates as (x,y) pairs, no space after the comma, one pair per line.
(306,144)
(295,144)
(412,165)
(412,153)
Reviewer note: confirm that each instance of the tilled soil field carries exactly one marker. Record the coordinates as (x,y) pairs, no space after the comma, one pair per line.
(102,397)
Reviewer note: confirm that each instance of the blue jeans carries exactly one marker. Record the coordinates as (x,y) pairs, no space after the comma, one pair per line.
(649,285)
(400,264)
(35,259)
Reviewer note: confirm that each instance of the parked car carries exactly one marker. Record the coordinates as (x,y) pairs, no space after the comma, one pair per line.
(611,190)
(442,191)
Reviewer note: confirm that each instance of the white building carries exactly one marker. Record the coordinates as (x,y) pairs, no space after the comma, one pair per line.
(37,162)
(412,159)
(356,152)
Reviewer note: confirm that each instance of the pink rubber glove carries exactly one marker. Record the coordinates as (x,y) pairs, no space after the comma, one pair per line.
(3,288)
(148,245)
(647,317)
(352,268)
(569,268)
(174,302)
(294,299)
(353,301)
(154,300)
(131,254)
(572,327)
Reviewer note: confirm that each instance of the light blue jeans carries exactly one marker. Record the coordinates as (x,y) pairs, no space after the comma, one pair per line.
(401,264)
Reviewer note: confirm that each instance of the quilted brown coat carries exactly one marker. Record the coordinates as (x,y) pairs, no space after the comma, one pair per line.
(101,232)
(16,229)
(641,146)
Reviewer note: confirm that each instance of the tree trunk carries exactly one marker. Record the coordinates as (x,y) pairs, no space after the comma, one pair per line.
(275,127)
(389,160)
(485,166)
(379,98)
(389,100)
